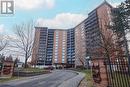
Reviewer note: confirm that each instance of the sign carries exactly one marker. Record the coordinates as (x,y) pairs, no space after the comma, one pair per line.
(7,7)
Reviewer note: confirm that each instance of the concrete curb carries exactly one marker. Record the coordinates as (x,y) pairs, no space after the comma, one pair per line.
(73,82)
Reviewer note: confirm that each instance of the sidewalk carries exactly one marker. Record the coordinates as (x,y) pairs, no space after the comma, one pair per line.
(73,82)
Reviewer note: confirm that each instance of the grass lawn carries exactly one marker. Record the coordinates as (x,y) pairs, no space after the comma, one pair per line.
(32,69)
(16,77)
(118,79)
(88,77)
(2,80)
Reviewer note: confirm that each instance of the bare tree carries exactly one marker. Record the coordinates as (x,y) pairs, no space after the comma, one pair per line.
(3,42)
(108,46)
(23,42)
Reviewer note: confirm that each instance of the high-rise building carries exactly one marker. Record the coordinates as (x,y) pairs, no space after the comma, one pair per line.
(80,44)
(60,48)
(98,37)
(50,47)
(72,46)
(95,24)
(40,46)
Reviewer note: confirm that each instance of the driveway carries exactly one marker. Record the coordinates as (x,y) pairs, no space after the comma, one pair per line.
(53,79)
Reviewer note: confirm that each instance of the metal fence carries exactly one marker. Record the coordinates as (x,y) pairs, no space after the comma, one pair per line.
(118,73)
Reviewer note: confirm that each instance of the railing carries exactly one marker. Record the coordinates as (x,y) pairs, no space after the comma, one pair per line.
(118,73)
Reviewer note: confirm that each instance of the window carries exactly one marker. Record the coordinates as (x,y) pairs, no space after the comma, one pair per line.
(56,57)
(63,53)
(63,56)
(56,60)
(56,53)
(56,40)
(63,45)
(56,50)
(63,50)
(57,37)
(63,60)
(63,42)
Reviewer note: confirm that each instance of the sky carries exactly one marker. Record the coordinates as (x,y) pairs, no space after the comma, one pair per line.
(50,13)
(57,14)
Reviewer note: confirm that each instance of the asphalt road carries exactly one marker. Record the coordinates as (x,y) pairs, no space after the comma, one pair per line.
(53,79)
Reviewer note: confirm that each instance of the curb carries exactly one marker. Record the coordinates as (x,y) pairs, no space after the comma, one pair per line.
(73,82)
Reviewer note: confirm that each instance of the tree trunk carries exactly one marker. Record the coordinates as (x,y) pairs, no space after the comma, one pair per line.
(26,58)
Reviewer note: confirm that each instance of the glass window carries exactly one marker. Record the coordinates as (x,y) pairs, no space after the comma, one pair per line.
(56,50)
(63,60)
(56,53)
(63,50)
(57,37)
(56,60)
(56,56)
(56,40)
(63,42)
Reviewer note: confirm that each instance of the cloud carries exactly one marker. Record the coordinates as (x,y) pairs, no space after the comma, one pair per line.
(115,4)
(34,4)
(1,28)
(63,20)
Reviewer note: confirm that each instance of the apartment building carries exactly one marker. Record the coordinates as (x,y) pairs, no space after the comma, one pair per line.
(72,46)
(50,47)
(80,45)
(60,48)
(98,35)
(39,46)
